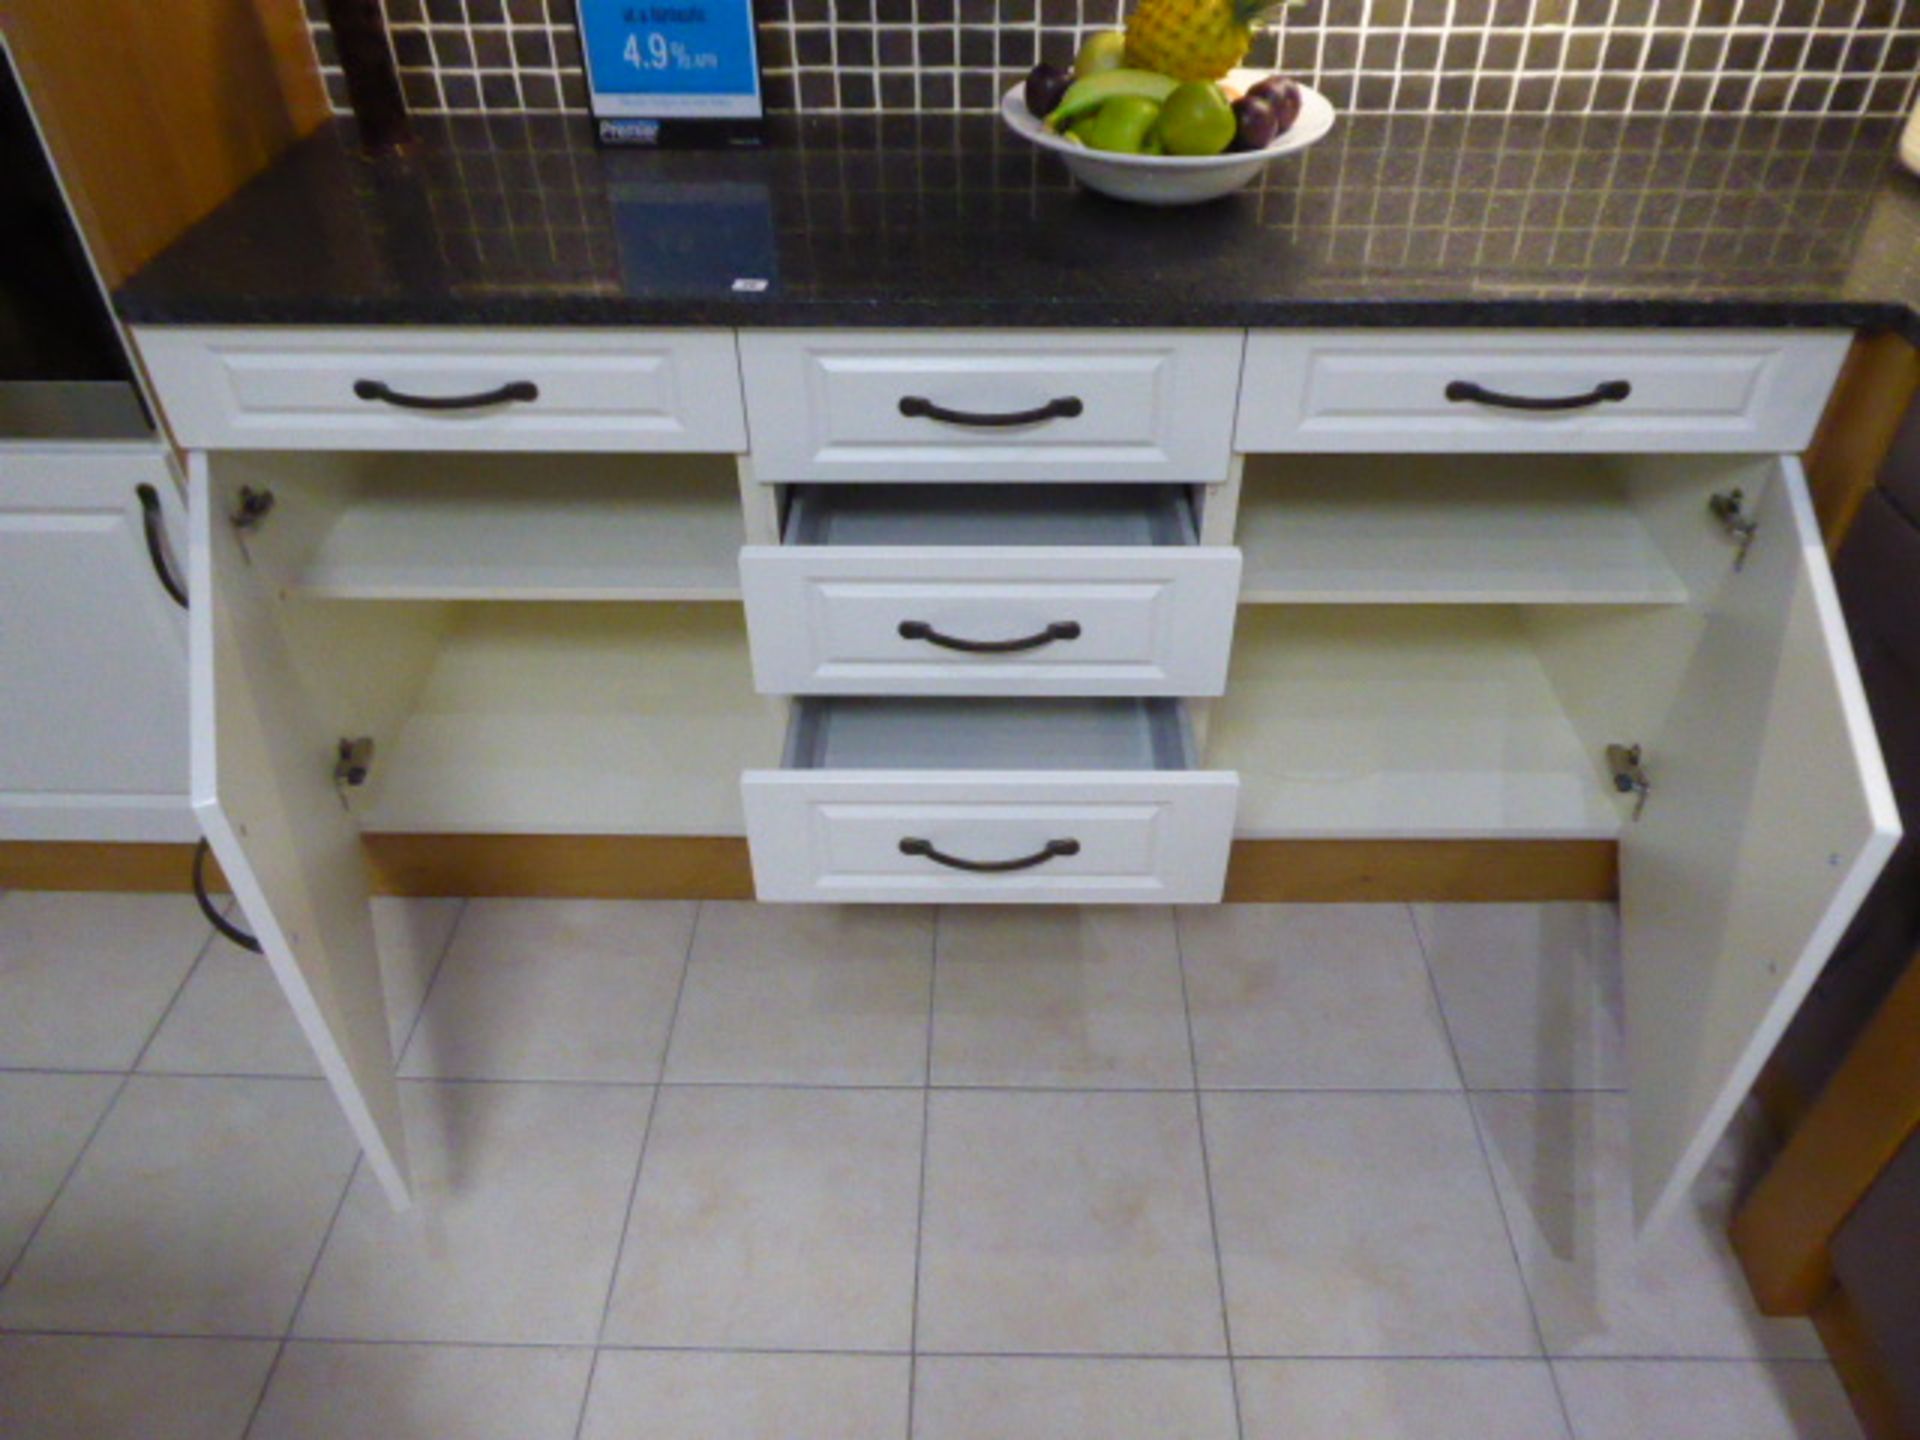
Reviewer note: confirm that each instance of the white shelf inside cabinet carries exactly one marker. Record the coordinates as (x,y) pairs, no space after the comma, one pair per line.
(579,719)
(1457,530)
(553,527)
(1402,723)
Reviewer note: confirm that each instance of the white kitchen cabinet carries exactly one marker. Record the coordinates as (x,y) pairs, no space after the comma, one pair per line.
(93,651)
(1473,641)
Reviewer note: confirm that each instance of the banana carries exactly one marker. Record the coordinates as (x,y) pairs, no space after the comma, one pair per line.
(1094,91)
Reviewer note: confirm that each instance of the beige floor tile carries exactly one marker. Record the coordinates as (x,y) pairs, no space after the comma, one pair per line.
(423,1392)
(85,978)
(1086,996)
(805,994)
(1705,1400)
(1564,1167)
(554,990)
(1114,1399)
(1067,1223)
(44,1120)
(774,1219)
(197,1209)
(1531,993)
(1399,1400)
(519,1196)
(232,1018)
(686,1396)
(71,1387)
(1308,997)
(1361,1225)
(413,935)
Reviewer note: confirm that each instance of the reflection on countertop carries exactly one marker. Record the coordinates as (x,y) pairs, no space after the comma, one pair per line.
(948,219)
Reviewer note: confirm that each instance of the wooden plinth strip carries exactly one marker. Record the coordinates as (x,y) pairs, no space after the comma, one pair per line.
(637,867)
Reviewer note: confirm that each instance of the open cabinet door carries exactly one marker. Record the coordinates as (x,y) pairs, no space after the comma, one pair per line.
(264,794)
(1769,817)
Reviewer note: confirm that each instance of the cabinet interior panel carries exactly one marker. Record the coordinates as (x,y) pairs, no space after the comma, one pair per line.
(1401,723)
(1449,529)
(998,515)
(519,527)
(579,719)
(998,735)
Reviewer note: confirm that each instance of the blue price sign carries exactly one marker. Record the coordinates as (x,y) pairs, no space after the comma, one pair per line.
(651,62)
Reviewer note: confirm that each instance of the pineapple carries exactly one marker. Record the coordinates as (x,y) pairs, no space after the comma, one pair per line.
(1195,39)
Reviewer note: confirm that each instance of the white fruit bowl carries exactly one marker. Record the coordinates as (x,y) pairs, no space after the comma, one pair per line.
(1171,179)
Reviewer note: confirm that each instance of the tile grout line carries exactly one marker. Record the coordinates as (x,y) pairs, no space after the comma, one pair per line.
(1206,1175)
(920,1206)
(113,1100)
(293,1315)
(426,994)
(639,1166)
(1486,1167)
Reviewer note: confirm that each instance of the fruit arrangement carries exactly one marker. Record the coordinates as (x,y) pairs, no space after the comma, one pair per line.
(1155,88)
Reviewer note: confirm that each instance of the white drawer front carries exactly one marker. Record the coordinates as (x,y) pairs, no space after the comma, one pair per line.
(1143,404)
(828,835)
(1442,390)
(348,389)
(1146,621)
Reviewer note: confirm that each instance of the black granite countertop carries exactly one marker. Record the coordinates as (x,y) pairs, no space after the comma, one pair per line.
(951,220)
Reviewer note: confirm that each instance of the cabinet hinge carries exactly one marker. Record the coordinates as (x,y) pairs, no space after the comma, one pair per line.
(354,763)
(1629,775)
(1729,507)
(255,506)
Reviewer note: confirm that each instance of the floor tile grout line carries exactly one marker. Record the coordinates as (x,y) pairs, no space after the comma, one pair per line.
(293,1314)
(439,964)
(1486,1167)
(66,1178)
(126,1078)
(920,1202)
(199,959)
(1206,1174)
(639,1167)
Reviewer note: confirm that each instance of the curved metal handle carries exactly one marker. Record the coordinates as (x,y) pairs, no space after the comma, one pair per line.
(154,525)
(990,867)
(919,407)
(522,390)
(1461,391)
(921,630)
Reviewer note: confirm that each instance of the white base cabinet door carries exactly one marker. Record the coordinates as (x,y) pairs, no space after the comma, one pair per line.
(1767,813)
(94,654)
(264,791)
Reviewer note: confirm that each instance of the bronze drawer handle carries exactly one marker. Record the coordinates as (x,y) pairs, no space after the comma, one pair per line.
(920,408)
(921,630)
(1461,391)
(153,524)
(522,390)
(990,867)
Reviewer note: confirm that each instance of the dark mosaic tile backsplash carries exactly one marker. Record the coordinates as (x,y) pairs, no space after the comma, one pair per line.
(1601,57)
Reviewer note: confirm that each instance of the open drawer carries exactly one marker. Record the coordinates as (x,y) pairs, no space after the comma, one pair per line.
(990,590)
(1021,800)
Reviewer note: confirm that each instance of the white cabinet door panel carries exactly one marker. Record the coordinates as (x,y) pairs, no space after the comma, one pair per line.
(263,789)
(1769,819)
(94,655)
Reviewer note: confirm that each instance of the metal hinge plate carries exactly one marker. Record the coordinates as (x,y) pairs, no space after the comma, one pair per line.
(1629,775)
